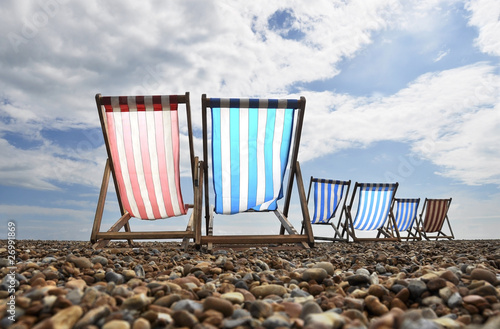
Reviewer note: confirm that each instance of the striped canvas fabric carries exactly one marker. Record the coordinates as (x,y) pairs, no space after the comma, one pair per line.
(143,134)
(327,196)
(406,212)
(251,141)
(374,205)
(435,214)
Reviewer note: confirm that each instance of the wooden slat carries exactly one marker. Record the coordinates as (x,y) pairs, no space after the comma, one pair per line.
(100,203)
(145,235)
(253,239)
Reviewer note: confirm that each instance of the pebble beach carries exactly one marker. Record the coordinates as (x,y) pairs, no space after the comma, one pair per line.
(369,285)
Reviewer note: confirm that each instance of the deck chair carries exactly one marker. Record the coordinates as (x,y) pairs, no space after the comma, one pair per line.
(251,142)
(431,220)
(328,196)
(374,209)
(406,217)
(142,139)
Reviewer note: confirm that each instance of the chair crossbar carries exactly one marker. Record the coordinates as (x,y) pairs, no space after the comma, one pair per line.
(250,103)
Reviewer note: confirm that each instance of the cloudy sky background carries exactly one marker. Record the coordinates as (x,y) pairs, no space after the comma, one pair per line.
(405,91)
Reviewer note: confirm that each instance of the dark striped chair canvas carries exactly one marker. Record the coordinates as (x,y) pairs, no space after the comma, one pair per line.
(432,218)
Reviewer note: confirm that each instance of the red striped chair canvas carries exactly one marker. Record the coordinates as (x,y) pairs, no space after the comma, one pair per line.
(432,218)
(141,134)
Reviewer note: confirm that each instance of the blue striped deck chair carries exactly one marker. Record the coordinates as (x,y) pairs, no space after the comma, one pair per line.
(252,143)
(374,209)
(328,196)
(406,217)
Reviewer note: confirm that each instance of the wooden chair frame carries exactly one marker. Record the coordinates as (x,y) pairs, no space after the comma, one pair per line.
(439,234)
(100,239)
(340,207)
(293,237)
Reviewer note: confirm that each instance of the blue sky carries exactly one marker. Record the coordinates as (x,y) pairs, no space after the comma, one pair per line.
(405,91)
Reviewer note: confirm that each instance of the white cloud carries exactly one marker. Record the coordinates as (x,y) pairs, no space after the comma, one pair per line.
(451,118)
(486,17)
(441,55)
(225,49)
(45,167)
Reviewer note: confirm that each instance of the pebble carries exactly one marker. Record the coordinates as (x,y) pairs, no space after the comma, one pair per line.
(317,274)
(421,284)
(482,274)
(269,289)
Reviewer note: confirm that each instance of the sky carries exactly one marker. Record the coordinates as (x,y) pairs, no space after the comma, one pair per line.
(405,91)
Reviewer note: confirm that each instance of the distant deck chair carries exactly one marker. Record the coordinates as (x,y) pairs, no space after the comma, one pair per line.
(431,220)
(374,209)
(141,134)
(328,196)
(406,212)
(250,144)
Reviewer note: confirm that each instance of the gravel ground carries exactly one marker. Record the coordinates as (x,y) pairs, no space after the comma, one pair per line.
(67,284)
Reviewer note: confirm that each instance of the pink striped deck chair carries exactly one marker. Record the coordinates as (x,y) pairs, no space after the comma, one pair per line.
(142,140)
(432,218)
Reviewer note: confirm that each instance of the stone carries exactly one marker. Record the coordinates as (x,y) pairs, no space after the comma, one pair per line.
(259,309)
(354,303)
(114,277)
(327,319)
(128,274)
(450,276)
(455,300)
(234,297)
(64,319)
(358,280)
(76,284)
(417,288)
(141,323)
(92,316)
(99,260)
(269,289)
(486,290)
(483,274)
(293,310)
(80,262)
(276,320)
(436,284)
(168,300)
(448,323)
(317,274)
(136,302)
(377,290)
(116,324)
(218,304)
(184,319)
(403,295)
(374,306)
(327,266)
(188,305)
